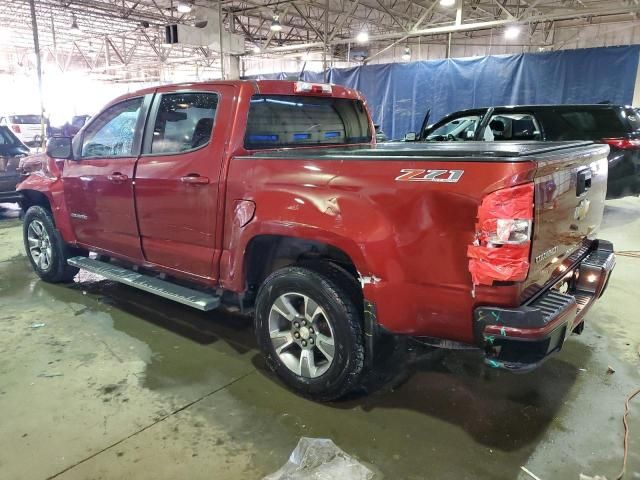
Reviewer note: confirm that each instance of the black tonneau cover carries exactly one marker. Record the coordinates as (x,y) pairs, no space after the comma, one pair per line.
(513,151)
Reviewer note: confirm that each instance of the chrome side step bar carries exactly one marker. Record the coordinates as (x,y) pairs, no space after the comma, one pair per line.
(162,288)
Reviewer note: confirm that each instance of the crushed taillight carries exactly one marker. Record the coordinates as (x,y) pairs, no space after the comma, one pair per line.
(502,246)
(15,128)
(306,87)
(622,143)
(512,230)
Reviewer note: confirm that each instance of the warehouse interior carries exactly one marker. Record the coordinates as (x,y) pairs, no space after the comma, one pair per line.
(100,380)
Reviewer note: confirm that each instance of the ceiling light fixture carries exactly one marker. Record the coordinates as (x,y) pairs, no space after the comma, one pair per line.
(406,56)
(447,3)
(74,22)
(275,25)
(512,32)
(256,49)
(184,7)
(363,37)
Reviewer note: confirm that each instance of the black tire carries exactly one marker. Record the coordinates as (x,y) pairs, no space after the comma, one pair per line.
(331,292)
(56,269)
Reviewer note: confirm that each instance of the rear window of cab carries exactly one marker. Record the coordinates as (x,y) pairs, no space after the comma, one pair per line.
(277,121)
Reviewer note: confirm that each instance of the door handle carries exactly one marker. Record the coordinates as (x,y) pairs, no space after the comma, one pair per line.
(194,179)
(117,177)
(583,181)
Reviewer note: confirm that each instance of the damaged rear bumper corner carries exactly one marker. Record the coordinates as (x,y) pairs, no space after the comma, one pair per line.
(521,338)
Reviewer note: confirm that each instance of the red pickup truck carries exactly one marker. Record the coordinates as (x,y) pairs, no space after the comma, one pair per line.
(276,191)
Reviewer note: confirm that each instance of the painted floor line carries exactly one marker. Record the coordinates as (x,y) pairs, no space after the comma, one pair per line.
(162,419)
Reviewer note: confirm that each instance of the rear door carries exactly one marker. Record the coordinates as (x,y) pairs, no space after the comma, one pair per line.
(178,177)
(98,183)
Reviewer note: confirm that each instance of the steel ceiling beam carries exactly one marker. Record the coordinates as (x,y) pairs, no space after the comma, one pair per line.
(465,27)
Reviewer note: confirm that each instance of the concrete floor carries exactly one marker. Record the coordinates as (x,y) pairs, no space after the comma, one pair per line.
(120,384)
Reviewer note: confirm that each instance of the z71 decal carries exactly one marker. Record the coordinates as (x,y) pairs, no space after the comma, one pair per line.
(420,175)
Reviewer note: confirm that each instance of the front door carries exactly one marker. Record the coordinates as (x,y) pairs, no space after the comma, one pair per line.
(98,183)
(178,177)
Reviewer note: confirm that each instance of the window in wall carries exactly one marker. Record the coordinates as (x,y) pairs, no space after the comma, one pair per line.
(112,133)
(184,122)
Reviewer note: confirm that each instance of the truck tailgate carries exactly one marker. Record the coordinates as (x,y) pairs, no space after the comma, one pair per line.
(570,189)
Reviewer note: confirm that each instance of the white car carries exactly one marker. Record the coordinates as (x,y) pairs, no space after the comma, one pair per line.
(26,127)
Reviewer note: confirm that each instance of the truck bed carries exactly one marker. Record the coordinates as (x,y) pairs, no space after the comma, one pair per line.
(466,151)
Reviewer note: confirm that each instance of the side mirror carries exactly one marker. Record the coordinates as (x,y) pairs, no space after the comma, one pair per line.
(410,137)
(470,134)
(60,148)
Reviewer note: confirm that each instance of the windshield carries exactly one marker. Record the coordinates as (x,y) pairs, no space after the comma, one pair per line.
(461,128)
(25,119)
(287,121)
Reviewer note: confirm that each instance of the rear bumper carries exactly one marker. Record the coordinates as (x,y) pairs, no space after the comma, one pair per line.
(521,338)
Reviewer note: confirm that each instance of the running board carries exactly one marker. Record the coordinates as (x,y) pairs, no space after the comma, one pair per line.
(187,296)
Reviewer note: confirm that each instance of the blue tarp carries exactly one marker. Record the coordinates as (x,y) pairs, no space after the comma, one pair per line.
(399,94)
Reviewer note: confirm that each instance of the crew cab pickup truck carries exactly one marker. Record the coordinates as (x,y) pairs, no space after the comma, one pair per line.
(276,192)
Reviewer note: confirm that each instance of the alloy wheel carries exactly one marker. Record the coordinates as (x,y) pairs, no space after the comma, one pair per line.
(301,334)
(39,245)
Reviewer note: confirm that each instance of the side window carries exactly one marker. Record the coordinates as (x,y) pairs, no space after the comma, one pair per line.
(184,122)
(512,126)
(458,129)
(112,133)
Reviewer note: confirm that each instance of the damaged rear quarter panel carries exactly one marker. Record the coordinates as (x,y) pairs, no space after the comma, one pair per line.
(407,240)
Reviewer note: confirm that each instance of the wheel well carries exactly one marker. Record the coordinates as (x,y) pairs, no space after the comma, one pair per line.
(33,197)
(267,253)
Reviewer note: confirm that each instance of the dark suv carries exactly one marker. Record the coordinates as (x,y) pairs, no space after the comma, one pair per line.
(11,150)
(615,125)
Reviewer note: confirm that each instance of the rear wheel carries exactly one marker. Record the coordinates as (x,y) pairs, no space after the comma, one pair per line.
(47,252)
(310,330)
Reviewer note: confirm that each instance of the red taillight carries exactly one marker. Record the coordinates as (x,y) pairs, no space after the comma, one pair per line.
(15,128)
(503,239)
(622,143)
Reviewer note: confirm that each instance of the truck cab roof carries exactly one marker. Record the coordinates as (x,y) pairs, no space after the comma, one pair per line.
(269,87)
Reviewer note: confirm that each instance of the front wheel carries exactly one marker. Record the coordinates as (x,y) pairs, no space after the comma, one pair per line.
(309,328)
(47,252)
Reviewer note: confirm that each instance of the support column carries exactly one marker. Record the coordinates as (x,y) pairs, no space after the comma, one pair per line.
(324,39)
(220,34)
(232,67)
(36,46)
